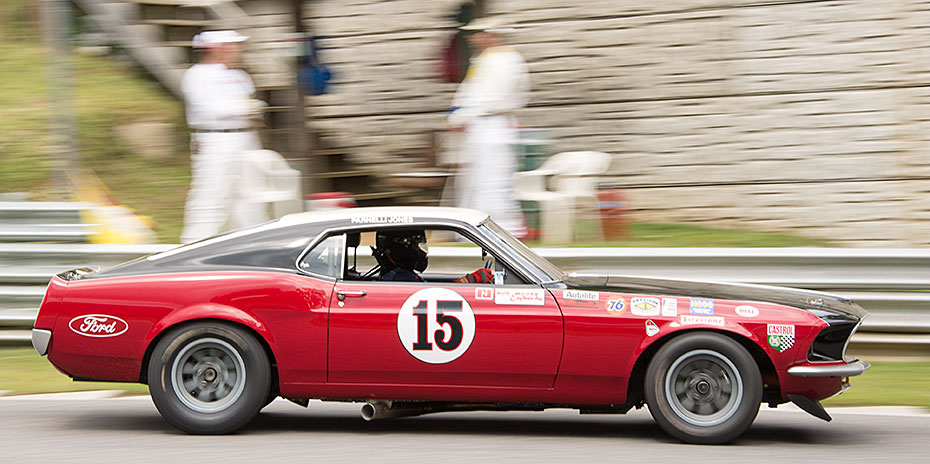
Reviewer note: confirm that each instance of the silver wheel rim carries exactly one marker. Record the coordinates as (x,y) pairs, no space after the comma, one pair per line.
(703,388)
(208,375)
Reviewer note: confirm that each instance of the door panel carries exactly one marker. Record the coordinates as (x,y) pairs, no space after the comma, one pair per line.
(423,334)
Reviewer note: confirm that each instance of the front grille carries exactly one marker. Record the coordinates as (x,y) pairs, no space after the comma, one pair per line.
(830,344)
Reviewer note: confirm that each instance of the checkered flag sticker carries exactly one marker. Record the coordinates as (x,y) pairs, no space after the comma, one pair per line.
(780,336)
(781,342)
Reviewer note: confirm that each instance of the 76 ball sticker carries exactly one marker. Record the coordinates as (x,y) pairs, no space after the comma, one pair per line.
(436,325)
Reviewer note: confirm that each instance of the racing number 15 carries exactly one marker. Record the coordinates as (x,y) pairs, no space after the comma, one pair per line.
(455,326)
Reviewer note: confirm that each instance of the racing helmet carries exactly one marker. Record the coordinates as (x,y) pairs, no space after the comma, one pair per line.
(405,248)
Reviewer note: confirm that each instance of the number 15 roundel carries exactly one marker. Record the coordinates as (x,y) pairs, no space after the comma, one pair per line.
(436,325)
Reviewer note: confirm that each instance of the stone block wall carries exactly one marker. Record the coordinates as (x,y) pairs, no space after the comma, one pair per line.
(802,116)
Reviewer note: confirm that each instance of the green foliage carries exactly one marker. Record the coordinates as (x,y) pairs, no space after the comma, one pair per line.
(106,94)
(18,19)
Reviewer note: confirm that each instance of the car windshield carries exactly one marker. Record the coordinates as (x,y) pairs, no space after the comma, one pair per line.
(551,271)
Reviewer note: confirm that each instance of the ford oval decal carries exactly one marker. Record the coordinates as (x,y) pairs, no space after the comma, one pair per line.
(98,325)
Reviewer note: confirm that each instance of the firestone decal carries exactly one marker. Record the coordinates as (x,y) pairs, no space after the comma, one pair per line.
(616,306)
(702,306)
(519,296)
(651,328)
(780,336)
(436,325)
(747,311)
(644,306)
(580,295)
(670,307)
(687,319)
(98,325)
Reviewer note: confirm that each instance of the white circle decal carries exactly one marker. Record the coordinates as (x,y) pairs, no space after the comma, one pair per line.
(747,311)
(436,325)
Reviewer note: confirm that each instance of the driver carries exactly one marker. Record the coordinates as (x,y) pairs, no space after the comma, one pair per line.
(402,254)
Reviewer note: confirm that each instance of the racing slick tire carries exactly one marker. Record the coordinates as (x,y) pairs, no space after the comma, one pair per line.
(209,378)
(703,388)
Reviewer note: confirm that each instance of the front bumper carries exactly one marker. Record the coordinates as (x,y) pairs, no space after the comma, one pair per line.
(841,370)
(40,340)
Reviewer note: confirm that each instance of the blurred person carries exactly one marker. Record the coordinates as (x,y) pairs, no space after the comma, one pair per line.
(402,254)
(497,84)
(222,114)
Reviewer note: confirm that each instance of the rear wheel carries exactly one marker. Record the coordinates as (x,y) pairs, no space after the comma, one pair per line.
(209,378)
(703,388)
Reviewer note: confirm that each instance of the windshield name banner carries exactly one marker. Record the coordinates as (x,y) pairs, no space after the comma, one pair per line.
(383,220)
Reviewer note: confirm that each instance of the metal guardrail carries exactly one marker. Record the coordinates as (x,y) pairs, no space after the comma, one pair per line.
(893,284)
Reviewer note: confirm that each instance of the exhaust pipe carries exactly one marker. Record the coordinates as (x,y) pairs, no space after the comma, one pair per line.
(386,409)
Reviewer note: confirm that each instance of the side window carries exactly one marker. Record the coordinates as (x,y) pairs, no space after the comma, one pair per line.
(325,258)
(451,256)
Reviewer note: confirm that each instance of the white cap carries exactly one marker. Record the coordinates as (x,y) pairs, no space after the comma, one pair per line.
(487,24)
(208,39)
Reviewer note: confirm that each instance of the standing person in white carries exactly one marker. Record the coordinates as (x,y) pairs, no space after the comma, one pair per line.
(497,84)
(221,112)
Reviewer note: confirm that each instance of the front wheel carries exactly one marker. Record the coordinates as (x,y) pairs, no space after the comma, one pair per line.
(209,378)
(703,388)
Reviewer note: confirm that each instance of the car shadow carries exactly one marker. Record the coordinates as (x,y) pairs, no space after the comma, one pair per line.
(634,427)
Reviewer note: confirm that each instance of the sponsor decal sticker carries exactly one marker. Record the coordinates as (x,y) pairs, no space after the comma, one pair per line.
(651,328)
(484,293)
(644,306)
(580,295)
(520,296)
(498,277)
(687,319)
(616,306)
(780,336)
(670,307)
(702,306)
(747,311)
(382,220)
(436,325)
(98,325)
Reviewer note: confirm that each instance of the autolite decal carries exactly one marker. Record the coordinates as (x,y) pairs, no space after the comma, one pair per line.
(98,325)
(580,295)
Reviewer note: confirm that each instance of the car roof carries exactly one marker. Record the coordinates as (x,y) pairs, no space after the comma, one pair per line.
(386,215)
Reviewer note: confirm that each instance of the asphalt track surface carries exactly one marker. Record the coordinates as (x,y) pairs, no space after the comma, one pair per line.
(129,430)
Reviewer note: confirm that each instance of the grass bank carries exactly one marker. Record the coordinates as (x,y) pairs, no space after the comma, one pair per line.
(107,92)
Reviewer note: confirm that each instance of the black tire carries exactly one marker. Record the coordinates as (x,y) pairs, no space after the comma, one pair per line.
(209,377)
(703,388)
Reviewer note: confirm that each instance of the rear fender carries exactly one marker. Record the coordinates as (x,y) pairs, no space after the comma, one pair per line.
(209,311)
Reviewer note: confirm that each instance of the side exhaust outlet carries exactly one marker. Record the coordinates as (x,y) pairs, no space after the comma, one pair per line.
(386,409)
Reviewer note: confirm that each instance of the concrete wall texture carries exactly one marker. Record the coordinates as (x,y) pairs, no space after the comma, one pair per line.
(810,117)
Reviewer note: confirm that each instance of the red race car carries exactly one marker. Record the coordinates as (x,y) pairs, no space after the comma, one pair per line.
(299,308)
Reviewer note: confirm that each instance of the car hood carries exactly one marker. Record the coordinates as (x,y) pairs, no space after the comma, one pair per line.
(802,299)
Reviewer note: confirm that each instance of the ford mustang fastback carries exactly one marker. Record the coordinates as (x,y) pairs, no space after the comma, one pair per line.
(347,305)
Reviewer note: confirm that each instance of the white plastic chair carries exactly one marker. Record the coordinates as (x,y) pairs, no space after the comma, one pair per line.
(269,182)
(565,183)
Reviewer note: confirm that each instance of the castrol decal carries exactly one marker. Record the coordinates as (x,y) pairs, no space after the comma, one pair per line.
(98,325)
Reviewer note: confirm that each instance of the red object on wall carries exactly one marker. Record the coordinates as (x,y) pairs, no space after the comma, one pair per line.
(613,206)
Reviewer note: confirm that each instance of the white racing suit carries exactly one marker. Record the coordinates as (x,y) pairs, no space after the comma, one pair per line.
(219,108)
(497,84)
